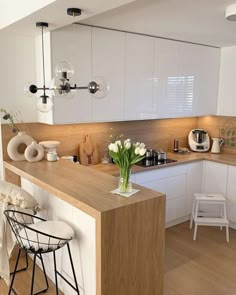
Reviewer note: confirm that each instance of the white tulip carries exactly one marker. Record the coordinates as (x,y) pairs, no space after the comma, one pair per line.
(127,145)
(137,151)
(110,147)
(127,140)
(142,145)
(113,147)
(142,151)
(118,142)
(137,144)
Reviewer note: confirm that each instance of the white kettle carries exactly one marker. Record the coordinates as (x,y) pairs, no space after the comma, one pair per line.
(217,143)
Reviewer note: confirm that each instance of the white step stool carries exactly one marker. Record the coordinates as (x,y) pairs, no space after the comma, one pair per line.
(204,218)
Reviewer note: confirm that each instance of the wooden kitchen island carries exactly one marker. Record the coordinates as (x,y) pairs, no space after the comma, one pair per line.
(129,232)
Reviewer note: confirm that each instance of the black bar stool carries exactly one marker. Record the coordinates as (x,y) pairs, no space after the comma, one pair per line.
(35,236)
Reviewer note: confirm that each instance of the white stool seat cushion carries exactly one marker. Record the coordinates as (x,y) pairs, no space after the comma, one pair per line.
(17,196)
(59,229)
(209,197)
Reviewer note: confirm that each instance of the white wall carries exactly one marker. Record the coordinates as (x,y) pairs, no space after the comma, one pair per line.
(14,10)
(17,66)
(17,63)
(227,83)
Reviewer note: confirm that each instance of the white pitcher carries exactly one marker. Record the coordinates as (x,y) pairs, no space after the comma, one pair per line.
(217,143)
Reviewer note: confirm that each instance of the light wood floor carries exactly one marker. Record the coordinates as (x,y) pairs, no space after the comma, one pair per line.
(203,267)
(22,282)
(206,266)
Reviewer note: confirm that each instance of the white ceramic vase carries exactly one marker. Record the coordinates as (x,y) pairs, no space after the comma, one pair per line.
(34,152)
(17,146)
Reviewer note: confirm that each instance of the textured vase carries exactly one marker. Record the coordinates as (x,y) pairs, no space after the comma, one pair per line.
(17,145)
(125,185)
(34,152)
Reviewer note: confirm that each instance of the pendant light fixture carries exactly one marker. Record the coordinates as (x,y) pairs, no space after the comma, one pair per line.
(44,102)
(60,85)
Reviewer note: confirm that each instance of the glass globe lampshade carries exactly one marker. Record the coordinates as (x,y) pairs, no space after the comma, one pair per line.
(64,67)
(44,107)
(102,88)
(61,86)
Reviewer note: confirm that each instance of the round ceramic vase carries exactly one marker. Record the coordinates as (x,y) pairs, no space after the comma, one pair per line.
(17,146)
(34,152)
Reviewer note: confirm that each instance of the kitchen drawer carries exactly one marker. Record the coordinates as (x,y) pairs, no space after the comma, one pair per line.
(173,187)
(164,172)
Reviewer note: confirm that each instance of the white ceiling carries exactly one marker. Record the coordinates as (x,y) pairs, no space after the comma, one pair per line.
(53,12)
(200,21)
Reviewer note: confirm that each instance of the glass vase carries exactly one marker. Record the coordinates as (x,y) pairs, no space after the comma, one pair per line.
(125,185)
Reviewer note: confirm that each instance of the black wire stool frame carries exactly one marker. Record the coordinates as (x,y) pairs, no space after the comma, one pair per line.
(20,222)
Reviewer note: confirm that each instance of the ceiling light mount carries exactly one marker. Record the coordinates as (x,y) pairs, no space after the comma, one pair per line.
(74,12)
(41,24)
(230,13)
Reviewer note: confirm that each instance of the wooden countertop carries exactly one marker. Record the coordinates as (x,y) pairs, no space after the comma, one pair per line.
(228,159)
(82,187)
(88,189)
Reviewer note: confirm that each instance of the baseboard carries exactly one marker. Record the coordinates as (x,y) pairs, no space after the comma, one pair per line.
(187,218)
(177,221)
(232,224)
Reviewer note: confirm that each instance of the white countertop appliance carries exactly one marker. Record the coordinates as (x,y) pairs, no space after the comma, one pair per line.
(198,140)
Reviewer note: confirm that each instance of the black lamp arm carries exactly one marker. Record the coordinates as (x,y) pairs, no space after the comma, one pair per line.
(92,87)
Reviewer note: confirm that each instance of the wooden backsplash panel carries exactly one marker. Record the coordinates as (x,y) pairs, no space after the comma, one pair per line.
(213,125)
(156,134)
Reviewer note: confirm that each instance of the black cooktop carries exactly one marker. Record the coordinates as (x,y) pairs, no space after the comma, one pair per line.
(149,163)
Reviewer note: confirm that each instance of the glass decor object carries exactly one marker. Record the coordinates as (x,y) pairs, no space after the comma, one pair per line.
(101,86)
(64,67)
(125,185)
(44,107)
(61,86)
(125,154)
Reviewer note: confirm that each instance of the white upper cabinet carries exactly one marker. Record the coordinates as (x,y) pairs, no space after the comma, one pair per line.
(108,57)
(73,44)
(186,79)
(173,91)
(227,84)
(149,77)
(208,65)
(139,57)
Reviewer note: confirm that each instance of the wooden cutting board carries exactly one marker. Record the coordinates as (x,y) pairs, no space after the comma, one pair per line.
(88,152)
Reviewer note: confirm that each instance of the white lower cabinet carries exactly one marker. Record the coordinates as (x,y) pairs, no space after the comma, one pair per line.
(215,178)
(178,184)
(231,194)
(214,181)
(221,178)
